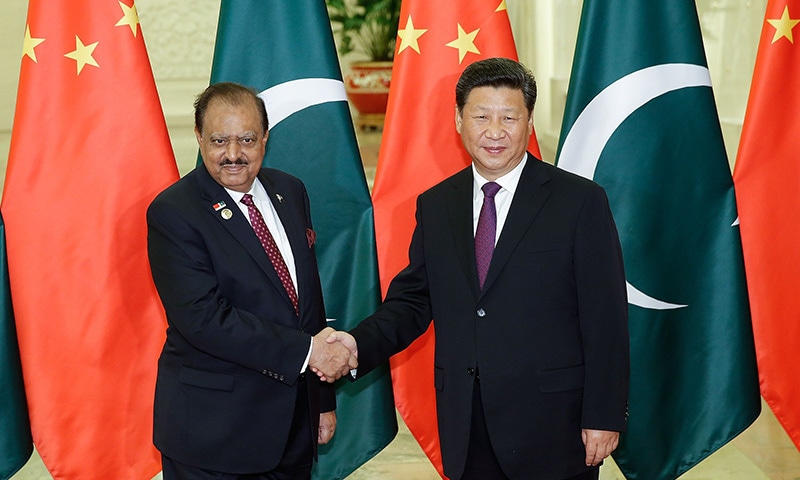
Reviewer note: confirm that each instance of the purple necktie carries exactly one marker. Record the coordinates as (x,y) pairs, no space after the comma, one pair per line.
(487,230)
(268,242)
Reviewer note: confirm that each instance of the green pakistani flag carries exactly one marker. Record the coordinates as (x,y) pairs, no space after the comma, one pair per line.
(641,121)
(16,444)
(285,50)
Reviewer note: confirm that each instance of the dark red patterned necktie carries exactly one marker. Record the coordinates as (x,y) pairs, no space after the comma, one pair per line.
(268,242)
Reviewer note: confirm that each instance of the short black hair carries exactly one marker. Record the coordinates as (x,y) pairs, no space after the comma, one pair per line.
(232,94)
(496,72)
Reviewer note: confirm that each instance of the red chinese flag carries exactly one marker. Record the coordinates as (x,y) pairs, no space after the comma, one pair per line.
(89,151)
(767,181)
(420,148)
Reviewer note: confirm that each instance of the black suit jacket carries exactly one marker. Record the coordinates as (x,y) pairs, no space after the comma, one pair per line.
(547,334)
(228,374)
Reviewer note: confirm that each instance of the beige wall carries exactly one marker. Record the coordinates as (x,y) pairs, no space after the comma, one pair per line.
(12,29)
(180,39)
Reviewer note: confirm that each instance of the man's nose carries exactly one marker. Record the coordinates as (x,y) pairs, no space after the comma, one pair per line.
(495,130)
(233,150)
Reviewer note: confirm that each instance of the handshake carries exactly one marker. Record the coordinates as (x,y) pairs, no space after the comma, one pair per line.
(333,354)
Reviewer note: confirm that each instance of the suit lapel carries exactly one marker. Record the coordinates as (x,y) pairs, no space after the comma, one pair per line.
(459,209)
(531,195)
(294,229)
(237,225)
(289,219)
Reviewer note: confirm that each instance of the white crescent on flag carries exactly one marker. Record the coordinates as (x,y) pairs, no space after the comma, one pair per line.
(284,99)
(602,116)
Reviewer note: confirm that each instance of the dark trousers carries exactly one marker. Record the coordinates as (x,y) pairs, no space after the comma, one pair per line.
(482,462)
(590,475)
(295,463)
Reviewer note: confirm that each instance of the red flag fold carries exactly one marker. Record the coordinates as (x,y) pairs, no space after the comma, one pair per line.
(89,150)
(767,181)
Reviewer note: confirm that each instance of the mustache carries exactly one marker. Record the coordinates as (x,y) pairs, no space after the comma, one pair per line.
(238,161)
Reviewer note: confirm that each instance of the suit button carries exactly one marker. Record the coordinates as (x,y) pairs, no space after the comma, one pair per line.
(280,378)
(481,312)
(264,372)
(470,371)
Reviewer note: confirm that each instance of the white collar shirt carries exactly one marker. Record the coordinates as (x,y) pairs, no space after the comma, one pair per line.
(264,205)
(502,200)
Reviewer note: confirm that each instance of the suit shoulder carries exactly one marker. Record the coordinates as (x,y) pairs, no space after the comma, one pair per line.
(568,180)
(182,199)
(177,190)
(459,179)
(279,176)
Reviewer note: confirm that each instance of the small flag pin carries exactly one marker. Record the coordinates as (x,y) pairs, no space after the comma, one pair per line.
(219,206)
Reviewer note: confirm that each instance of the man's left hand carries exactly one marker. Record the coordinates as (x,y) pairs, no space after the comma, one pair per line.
(599,445)
(327,427)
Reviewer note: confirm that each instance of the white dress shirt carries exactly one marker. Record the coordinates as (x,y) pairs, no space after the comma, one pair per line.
(264,205)
(270,215)
(502,200)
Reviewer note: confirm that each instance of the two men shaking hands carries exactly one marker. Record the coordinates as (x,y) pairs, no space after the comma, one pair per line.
(334,354)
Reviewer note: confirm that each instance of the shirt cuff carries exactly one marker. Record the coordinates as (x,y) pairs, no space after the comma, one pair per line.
(308,356)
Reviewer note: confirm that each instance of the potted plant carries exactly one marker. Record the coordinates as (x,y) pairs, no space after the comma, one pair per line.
(369,28)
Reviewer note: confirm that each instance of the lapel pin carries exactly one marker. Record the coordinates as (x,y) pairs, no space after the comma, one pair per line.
(218,206)
(279,197)
(226,213)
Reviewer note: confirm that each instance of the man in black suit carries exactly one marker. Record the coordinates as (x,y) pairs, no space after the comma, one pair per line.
(531,355)
(231,250)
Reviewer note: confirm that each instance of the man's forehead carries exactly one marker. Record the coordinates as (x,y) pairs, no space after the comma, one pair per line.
(246,133)
(492,106)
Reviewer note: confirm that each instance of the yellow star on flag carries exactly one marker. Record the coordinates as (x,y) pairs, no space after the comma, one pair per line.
(783,26)
(130,17)
(465,43)
(409,36)
(29,44)
(501,7)
(82,54)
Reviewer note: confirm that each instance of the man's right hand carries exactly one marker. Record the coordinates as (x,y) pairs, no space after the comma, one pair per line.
(331,359)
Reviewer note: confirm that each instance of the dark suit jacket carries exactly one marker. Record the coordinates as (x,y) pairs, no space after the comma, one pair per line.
(228,374)
(547,334)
